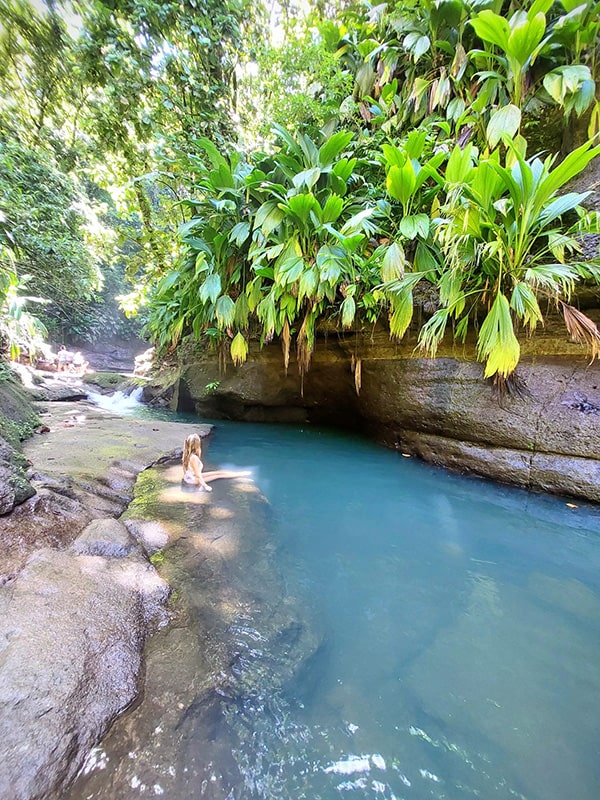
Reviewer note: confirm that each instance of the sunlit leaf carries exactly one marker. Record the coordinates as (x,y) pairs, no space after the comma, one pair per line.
(333,147)
(348,310)
(393,263)
(497,344)
(504,122)
(239,349)
(401,182)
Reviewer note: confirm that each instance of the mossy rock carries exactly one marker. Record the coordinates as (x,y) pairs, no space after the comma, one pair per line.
(18,420)
(108,382)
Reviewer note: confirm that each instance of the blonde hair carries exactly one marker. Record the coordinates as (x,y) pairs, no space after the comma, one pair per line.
(190,446)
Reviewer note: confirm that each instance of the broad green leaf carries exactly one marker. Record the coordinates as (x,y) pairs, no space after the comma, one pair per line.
(300,205)
(525,305)
(307,178)
(239,233)
(333,208)
(187,227)
(333,147)
(254,292)
(415,144)
(337,185)
(289,271)
(267,314)
(456,108)
(286,137)
(491,28)
(359,222)
(415,225)
(420,47)
(216,159)
(504,122)
(268,217)
(393,155)
(401,182)
(365,80)
(543,6)
(330,262)
(574,163)
(308,283)
(344,168)
(210,289)
(169,280)
(424,259)
(525,36)
(460,165)
(273,252)
(242,310)
(553,84)
(402,312)
(366,46)
(585,96)
(265,272)
(560,206)
(393,263)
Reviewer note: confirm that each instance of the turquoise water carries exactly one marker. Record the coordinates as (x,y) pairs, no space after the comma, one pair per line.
(454,637)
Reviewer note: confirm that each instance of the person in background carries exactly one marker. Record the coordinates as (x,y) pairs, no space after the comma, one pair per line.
(79,364)
(62,358)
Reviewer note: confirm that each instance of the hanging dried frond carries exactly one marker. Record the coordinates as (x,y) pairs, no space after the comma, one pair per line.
(305,342)
(223,351)
(582,329)
(513,385)
(358,375)
(285,344)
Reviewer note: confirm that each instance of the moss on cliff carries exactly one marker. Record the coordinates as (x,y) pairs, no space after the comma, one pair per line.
(18,420)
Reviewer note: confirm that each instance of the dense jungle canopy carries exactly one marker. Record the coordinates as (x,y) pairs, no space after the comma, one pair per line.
(223,170)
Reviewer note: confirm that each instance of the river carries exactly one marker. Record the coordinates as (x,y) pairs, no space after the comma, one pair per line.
(349,623)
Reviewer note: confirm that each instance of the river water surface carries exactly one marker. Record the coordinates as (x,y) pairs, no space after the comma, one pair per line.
(384,630)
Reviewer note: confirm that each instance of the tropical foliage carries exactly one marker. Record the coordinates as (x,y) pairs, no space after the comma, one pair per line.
(235,175)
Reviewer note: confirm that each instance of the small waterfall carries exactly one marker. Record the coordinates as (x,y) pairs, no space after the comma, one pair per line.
(118,402)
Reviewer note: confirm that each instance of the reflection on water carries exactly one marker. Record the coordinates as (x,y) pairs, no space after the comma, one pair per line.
(350,624)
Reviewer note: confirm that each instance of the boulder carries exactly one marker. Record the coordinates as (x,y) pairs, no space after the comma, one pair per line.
(71,638)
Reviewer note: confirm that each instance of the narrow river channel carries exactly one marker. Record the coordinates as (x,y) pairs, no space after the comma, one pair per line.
(349,623)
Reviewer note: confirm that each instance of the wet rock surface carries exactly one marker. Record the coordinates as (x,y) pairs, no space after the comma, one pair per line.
(79,595)
(70,658)
(214,674)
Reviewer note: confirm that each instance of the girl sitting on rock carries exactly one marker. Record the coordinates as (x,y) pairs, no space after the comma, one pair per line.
(192,465)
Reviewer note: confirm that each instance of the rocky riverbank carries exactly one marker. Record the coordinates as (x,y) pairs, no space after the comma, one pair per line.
(79,595)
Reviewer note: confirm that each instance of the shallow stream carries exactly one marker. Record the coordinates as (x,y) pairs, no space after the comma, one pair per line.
(349,623)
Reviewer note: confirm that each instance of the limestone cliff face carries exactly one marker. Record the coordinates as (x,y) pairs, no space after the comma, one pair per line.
(547,437)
